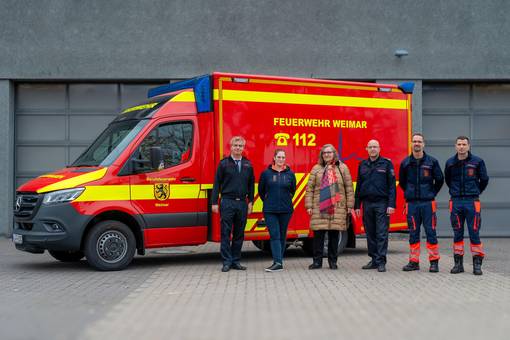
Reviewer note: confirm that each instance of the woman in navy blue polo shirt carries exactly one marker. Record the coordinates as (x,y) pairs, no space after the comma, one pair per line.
(277,186)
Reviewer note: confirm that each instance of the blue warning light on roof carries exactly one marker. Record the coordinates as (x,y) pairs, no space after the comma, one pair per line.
(406,87)
(201,88)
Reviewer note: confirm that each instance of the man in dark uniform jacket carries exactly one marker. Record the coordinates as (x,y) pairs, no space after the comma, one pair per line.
(376,192)
(466,176)
(421,179)
(235,182)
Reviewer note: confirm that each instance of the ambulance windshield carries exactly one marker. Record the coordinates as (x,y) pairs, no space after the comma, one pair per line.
(110,143)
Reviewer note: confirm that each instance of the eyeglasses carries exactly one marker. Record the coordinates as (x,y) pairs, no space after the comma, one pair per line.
(327,152)
(238,145)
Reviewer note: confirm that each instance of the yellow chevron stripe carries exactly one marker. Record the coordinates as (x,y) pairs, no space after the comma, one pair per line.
(300,192)
(250,223)
(310,99)
(75,181)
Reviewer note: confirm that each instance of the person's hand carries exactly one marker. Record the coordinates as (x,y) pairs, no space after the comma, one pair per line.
(250,208)
(215,209)
(390,210)
(309,211)
(357,212)
(352,211)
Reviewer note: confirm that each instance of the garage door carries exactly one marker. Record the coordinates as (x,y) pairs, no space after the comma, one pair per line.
(481,111)
(56,122)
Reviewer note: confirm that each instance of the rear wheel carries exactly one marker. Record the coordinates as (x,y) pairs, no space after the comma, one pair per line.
(265,246)
(110,245)
(67,256)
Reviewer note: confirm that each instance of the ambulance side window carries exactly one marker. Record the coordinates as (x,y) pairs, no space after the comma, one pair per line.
(175,141)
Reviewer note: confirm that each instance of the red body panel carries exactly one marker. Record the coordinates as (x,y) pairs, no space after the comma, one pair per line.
(258,108)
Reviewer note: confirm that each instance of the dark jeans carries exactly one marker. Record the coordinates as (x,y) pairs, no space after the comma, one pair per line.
(318,245)
(421,212)
(376,223)
(277,224)
(233,221)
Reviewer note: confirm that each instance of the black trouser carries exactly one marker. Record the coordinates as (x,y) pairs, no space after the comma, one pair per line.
(376,222)
(318,245)
(233,220)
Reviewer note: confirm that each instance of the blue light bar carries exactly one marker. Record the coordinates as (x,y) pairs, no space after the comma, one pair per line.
(406,87)
(201,88)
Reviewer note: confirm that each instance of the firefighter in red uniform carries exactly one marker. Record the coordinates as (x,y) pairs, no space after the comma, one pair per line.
(421,179)
(466,176)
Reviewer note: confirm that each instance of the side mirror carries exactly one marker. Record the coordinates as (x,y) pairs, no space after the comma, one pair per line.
(156,157)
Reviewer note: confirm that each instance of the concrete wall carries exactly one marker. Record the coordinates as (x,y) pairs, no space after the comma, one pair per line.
(160,39)
(6,155)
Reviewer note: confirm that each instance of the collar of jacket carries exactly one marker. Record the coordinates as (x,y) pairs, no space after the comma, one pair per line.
(273,168)
(468,158)
(413,159)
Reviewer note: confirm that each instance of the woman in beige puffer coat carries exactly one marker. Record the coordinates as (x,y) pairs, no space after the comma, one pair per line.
(329,212)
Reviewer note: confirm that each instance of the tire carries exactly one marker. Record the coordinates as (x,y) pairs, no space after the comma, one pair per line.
(67,256)
(342,243)
(263,245)
(308,247)
(109,246)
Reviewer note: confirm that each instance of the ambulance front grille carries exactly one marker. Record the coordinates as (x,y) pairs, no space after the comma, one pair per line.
(26,204)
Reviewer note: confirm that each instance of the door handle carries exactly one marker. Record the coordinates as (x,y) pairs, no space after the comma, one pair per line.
(187,179)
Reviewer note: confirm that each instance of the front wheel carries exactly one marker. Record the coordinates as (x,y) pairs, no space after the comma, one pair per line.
(67,256)
(110,245)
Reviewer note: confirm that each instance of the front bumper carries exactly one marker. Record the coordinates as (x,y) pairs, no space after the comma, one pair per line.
(54,227)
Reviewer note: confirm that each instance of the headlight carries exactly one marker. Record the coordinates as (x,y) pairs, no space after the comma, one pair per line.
(62,196)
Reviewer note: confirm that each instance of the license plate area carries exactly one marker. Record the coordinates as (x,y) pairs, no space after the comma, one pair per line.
(17,238)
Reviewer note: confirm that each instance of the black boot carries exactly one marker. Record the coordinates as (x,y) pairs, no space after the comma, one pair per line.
(434,266)
(411,266)
(317,264)
(477,265)
(332,264)
(458,266)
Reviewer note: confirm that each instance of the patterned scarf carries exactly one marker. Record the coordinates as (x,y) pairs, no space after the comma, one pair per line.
(330,192)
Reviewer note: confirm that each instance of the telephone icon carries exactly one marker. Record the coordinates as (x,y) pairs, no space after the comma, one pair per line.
(281,138)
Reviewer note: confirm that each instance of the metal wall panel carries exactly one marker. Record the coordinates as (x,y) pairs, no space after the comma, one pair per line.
(482,112)
(55,122)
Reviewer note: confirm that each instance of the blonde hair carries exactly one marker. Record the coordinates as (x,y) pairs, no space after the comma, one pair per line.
(335,154)
(237,139)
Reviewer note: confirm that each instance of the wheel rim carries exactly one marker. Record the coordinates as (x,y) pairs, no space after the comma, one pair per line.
(112,246)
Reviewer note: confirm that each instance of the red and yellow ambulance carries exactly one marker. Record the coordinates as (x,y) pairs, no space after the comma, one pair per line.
(145,182)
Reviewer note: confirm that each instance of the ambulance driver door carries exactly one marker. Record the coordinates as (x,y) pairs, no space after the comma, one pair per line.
(168,197)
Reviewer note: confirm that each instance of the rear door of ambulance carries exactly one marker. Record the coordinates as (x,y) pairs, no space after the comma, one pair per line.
(301,116)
